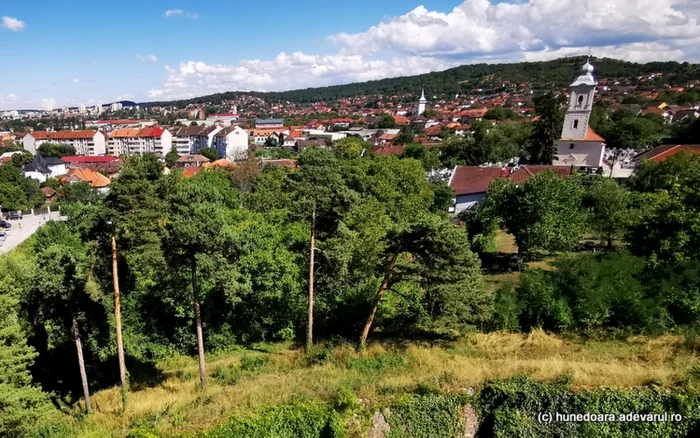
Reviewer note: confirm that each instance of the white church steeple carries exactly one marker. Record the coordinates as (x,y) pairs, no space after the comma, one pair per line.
(421,103)
(580,106)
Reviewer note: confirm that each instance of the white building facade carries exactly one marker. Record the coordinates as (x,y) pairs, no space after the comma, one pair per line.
(85,142)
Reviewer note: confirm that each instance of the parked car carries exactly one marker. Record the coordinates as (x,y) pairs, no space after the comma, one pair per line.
(3,236)
(5,224)
(14,215)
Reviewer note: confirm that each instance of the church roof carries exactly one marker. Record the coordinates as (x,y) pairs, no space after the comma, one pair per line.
(592,136)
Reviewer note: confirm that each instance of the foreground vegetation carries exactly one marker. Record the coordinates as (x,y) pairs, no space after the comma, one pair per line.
(267,375)
(354,258)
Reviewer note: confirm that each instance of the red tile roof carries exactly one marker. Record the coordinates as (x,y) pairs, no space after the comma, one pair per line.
(592,136)
(469,180)
(74,159)
(62,135)
(389,150)
(665,151)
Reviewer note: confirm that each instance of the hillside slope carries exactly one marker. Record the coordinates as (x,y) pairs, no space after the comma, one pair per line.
(556,73)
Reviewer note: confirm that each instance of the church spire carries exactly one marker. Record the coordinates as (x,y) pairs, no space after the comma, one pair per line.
(422,95)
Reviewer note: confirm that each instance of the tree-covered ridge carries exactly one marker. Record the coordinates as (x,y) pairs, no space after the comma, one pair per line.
(446,84)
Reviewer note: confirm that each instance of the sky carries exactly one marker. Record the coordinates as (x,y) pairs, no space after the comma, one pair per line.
(59,53)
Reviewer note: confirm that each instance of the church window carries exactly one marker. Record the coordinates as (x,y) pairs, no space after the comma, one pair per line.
(571,146)
(580,100)
(575,124)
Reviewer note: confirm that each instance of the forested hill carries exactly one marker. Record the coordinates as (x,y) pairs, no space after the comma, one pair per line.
(556,73)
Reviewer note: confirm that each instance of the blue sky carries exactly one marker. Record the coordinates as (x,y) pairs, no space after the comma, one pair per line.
(64,52)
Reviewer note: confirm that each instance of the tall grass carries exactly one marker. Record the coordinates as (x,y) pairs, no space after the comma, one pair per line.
(243,381)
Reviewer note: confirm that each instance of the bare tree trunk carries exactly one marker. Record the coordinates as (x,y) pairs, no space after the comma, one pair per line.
(81,363)
(310,321)
(118,321)
(382,288)
(198,321)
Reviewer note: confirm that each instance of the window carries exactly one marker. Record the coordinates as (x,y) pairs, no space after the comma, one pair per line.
(575,124)
(580,100)
(571,146)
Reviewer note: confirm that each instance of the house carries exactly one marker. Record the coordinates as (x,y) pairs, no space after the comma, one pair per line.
(686,114)
(85,142)
(191,171)
(107,164)
(191,160)
(49,194)
(260,136)
(292,164)
(96,180)
(661,153)
(470,183)
(227,118)
(579,145)
(231,142)
(269,124)
(462,130)
(42,168)
(300,145)
(221,163)
(471,115)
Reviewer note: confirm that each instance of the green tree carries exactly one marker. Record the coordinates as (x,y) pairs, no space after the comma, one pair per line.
(63,289)
(417,151)
(351,146)
(544,213)
(501,113)
(405,136)
(171,157)
(18,192)
(23,405)
(322,196)
(610,209)
(210,153)
(541,148)
(386,121)
(197,231)
(55,150)
(20,160)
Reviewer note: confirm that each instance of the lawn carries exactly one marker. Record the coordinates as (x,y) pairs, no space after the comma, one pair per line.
(242,381)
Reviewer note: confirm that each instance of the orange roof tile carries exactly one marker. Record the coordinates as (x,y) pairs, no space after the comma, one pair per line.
(96,179)
(592,136)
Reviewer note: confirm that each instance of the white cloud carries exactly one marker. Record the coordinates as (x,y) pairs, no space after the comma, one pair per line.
(12,24)
(148,58)
(76,80)
(474,31)
(285,72)
(171,12)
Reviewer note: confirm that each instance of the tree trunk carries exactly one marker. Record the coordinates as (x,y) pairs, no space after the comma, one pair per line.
(81,364)
(310,321)
(198,321)
(118,321)
(382,288)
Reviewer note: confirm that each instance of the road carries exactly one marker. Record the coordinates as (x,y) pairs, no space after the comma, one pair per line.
(17,235)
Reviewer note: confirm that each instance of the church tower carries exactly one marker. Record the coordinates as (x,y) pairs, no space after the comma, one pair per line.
(579,145)
(580,105)
(421,103)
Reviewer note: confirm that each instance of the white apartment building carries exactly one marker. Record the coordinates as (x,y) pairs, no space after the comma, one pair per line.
(192,139)
(131,141)
(85,142)
(231,143)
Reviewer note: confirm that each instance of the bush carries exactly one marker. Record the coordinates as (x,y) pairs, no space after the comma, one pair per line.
(227,375)
(511,408)
(505,309)
(431,415)
(305,420)
(253,363)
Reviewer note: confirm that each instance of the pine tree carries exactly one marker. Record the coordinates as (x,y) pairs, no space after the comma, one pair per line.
(21,403)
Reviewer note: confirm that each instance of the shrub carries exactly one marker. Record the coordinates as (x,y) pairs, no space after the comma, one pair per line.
(253,363)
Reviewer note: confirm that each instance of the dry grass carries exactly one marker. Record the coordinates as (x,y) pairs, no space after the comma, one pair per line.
(176,405)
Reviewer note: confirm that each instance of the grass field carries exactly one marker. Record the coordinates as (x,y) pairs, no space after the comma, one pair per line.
(242,381)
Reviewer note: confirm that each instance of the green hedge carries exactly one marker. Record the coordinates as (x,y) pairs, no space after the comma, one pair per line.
(512,407)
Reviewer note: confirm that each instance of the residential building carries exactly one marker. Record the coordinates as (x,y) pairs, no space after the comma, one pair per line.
(231,142)
(132,141)
(269,124)
(579,145)
(193,139)
(227,119)
(260,136)
(42,168)
(191,160)
(85,142)
(107,164)
(96,180)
